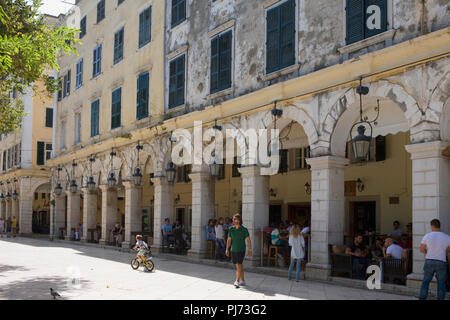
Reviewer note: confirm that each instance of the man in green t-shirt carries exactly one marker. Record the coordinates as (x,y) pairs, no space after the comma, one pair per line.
(237,234)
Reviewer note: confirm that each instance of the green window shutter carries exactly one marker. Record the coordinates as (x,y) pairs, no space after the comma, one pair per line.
(287,34)
(380,148)
(116,108)
(178,12)
(225,60)
(49,118)
(176,82)
(145,26)
(40,153)
(214,65)
(355,23)
(83,27)
(283,161)
(118,46)
(142,96)
(95,118)
(382,4)
(272,41)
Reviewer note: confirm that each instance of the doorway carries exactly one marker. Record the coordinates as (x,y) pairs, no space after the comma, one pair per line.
(300,214)
(364,217)
(274,214)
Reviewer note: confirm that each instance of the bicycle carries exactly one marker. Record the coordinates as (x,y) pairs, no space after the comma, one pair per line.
(145,261)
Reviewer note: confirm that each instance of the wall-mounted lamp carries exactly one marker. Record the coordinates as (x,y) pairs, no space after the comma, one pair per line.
(178,198)
(360,185)
(307,188)
(272,192)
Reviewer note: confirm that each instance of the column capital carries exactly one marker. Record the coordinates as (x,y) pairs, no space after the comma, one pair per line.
(105,188)
(130,185)
(70,193)
(86,191)
(200,176)
(327,162)
(252,170)
(434,149)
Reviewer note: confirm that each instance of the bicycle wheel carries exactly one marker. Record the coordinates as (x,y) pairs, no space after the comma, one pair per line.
(150,265)
(135,264)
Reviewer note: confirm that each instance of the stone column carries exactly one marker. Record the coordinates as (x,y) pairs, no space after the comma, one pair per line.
(15,209)
(73,212)
(8,209)
(163,208)
(58,215)
(2,209)
(327,212)
(133,212)
(202,208)
(430,196)
(255,207)
(109,212)
(89,213)
(25,213)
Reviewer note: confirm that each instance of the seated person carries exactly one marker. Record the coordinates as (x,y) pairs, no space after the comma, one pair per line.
(392,250)
(179,234)
(279,240)
(142,248)
(211,230)
(359,255)
(405,241)
(167,232)
(376,250)
(396,233)
(78,232)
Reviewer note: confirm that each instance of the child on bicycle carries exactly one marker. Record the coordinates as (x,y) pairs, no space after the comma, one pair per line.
(142,247)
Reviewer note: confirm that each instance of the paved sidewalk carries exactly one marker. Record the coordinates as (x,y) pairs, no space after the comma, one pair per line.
(29,267)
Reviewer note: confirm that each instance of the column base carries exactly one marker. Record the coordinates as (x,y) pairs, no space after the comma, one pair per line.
(253,261)
(196,254)
(102,242)
(156,249)
(84,240)
(68,238)
(126,246)
(315,271)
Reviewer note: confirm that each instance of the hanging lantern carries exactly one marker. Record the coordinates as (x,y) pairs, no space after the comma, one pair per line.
(15,195)
(137,177)
(73,186)
(8,196)
(91,184)
(307,188)
(2,197)
(111,180)
(58,189)
(170,172)
(214,168)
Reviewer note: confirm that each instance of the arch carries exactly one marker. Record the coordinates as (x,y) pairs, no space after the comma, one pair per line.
(438,110)
(345,110)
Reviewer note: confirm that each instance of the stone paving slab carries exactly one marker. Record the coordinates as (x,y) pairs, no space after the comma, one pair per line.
(29,267)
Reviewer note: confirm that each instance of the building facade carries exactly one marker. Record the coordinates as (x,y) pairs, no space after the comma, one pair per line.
(148,68)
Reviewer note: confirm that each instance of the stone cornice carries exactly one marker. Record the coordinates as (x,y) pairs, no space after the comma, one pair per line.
(327,162)
(435,149)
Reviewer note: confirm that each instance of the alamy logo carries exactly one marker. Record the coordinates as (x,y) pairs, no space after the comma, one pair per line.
(73,277)
(374,20)
(374,280)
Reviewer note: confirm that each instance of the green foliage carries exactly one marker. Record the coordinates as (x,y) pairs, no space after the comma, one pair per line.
(28,50)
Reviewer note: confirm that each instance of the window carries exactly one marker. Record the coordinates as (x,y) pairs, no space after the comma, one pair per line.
(77,128)
(176,85)
(377,151)
(221,175)
(183,173)
(142,96)
(280,43)
(62,143)
(67,78)
(95,118)
(178,12)
(60,90)
(82,27)
(365,18)
(145,27)
(283,161)
(4,161)
(48,151)
(119,2)
(221,62)
(49,117)
(79,74)
(97,61)
(100,11)
(297,158)
(116,108)
(235,172)
(40,153)
(118,46)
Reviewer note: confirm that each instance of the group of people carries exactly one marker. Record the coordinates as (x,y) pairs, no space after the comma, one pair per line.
(174,234)
(217,231)
(8,226)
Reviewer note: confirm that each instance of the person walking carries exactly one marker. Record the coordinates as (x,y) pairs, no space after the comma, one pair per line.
(237,235)
(434,245)
(297,243)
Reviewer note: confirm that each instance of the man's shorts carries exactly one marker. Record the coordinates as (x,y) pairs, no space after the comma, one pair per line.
(237,257)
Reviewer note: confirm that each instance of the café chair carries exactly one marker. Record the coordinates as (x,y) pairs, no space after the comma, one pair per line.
(271,257)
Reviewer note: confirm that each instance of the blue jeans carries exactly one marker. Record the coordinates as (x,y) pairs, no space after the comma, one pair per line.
(291,266)
(356,261)
(429,269)
(220,250)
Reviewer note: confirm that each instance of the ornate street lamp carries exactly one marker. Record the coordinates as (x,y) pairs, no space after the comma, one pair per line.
(111,181)
(360,185)
(137,175)
(73,185)
(58,188)
(8,196)
(361,142)
(15,195)
(2,197)
(91,183)
(170,170)
(276,113)
(215,167)
(307,188)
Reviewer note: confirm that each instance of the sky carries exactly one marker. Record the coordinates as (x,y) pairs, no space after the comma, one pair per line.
(55,7)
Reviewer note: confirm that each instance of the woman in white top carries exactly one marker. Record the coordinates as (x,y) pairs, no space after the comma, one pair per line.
(297,243)
(220,239)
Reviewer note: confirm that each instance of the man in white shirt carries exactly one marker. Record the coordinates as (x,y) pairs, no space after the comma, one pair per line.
(434,245)
(392,250)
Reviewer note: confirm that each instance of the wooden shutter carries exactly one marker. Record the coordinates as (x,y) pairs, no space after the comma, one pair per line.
(382,4)
(355,20)
(142,96)
(116,108)
(283,161)
(94,118)
(49,117)
(380,148)
(272,41)
(287,34)
(214,65)
(40,153)
(225,41)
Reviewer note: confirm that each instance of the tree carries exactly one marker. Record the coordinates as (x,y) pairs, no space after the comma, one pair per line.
(28,49)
